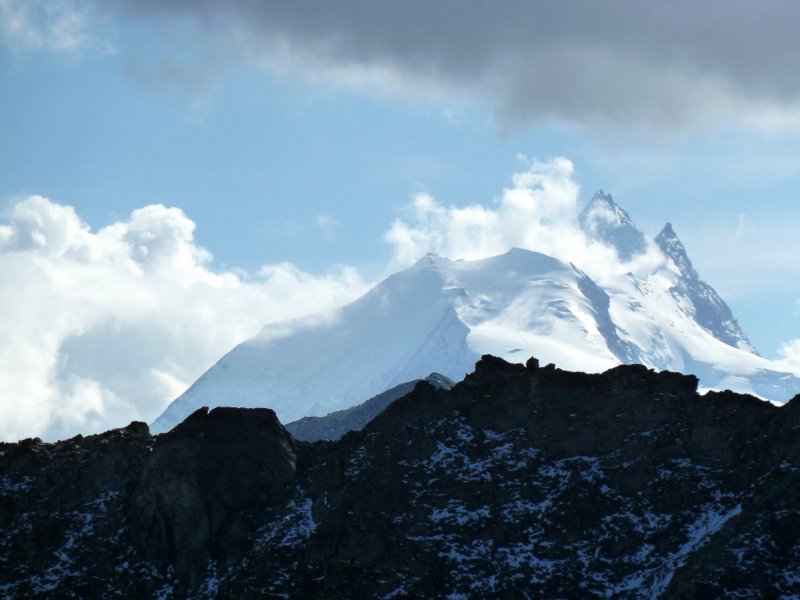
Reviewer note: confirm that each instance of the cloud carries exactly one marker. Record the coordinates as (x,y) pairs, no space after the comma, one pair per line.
(622,65)
(58,26)
(538,212)
(789,356)
(103,327)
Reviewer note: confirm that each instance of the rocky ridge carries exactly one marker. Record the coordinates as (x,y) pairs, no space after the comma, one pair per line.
(520,481)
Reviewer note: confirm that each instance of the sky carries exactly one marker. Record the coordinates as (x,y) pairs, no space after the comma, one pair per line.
(175,174)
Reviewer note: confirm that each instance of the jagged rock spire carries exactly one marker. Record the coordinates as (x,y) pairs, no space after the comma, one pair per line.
(673,248)
(710,310)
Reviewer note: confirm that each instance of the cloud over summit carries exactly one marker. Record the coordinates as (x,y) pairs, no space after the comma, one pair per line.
(538,212)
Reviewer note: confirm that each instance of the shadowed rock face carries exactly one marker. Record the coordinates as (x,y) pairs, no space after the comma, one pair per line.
(200,480)
(519,480)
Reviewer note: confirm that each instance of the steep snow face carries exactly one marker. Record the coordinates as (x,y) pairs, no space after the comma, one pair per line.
(653,318)
(604,220)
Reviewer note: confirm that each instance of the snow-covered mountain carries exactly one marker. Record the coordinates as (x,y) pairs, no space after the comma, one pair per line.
(441,315)
(709,310)
(604,220)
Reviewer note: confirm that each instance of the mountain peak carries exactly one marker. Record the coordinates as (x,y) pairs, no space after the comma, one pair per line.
(601,196)
(667,231)
(674,249)
(442,315)
(710,310)
(606,221)
(431,259)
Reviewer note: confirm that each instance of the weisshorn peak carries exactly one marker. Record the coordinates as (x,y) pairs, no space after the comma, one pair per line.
(709,309)
(441,315)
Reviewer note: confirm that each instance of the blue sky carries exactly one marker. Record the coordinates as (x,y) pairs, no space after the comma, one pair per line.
(292,139)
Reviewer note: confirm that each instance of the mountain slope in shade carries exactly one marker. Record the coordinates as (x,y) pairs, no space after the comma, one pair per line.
(334,425)
(440,315)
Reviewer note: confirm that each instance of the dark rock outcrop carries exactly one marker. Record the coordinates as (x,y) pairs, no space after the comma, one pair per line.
(520,481)
(200,481)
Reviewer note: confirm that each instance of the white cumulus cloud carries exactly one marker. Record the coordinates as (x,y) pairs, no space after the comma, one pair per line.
(103,327)
(537,212)
(789,356)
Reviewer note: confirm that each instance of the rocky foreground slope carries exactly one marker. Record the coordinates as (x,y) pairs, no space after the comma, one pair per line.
(520,481)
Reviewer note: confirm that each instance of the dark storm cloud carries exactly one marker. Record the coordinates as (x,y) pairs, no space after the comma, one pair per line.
(615,63)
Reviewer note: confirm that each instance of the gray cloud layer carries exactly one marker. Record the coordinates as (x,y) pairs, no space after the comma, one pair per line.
(626,63)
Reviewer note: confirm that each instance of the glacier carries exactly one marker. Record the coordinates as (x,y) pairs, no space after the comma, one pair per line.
(441,315)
